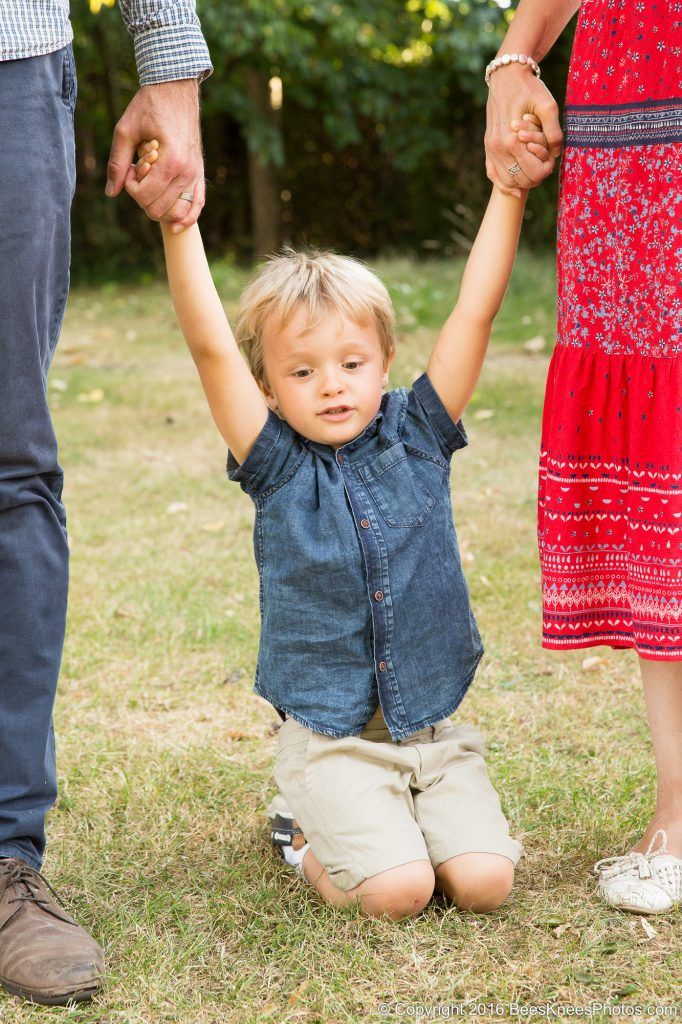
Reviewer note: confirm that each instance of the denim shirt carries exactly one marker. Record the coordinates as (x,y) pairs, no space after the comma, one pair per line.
(362,596)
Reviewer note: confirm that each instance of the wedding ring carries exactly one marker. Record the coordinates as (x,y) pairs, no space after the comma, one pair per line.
(514,169)
(190,198)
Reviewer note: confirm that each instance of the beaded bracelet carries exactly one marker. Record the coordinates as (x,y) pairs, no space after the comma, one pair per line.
(510,58)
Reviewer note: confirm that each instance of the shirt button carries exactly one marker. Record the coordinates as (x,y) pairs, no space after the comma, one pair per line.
(382,666)
(378,595)
(364,523)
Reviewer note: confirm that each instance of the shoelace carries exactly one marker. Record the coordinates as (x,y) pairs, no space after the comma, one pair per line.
(15,872)
(669,875)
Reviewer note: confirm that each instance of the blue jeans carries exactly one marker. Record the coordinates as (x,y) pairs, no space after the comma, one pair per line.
(37,181)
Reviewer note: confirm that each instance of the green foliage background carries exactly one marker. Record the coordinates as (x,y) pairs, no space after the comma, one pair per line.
(378,146)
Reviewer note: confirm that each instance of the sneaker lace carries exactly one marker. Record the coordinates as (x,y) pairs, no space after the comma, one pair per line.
(17,873)
(633,863)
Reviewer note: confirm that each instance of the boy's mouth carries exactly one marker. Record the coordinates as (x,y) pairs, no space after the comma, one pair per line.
(337,412)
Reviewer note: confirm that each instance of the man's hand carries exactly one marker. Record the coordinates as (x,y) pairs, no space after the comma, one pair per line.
(514,91)
(168,112)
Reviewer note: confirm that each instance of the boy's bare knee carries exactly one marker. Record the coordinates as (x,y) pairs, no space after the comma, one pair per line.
(479,882)
(399,892)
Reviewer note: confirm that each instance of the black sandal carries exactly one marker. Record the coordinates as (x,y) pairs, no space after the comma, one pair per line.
(282,834)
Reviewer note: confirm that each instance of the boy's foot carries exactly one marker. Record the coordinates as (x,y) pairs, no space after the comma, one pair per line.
(289,841)
(44,955)
(645,883)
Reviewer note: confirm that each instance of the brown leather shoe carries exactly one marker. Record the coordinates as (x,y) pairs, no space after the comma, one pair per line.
(44,955)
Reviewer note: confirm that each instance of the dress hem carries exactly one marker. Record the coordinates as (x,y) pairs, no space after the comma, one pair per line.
(574,645)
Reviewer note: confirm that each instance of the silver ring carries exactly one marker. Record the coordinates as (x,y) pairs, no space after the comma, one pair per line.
(514,169)
(190,198)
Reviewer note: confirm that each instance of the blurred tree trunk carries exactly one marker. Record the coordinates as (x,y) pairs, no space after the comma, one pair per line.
(263,176)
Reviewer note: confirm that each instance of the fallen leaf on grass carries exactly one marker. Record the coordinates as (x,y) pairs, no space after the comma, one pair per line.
(484,414)
(123,613)
(626,990)
(214,527)
(90,397)
(175,507)
(297,993)
(649,930)
(553,921)
(237,734)
(592,662)
(535,344)
(233,677)
(587,979)
(57,384)
(563,929)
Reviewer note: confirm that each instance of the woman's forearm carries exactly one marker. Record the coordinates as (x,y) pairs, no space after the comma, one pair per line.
(536,26)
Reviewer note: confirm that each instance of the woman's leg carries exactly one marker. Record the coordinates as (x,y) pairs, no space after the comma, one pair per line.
(663,695)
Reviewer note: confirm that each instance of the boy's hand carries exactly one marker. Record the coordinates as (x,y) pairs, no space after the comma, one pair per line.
(148,154)
(529,130)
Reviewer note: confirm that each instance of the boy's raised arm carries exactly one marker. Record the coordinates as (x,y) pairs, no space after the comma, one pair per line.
(236,402)
(460,348)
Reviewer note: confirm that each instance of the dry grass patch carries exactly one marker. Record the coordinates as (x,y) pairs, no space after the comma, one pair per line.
(158,839)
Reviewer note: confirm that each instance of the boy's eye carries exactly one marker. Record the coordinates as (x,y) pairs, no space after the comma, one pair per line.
(301,373)
(353,364)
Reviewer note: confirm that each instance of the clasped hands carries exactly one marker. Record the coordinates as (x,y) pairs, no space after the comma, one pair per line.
(528,128)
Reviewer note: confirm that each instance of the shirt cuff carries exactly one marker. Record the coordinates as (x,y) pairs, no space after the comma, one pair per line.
(247,473)
(168,55)
(452,434)
(169,44)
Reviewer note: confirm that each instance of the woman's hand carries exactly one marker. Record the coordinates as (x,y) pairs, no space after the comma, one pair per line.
(514,91)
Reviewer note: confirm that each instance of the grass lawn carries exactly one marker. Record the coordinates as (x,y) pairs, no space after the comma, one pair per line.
(158,841)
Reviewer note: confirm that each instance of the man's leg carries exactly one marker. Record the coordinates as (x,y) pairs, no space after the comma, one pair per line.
(43,953)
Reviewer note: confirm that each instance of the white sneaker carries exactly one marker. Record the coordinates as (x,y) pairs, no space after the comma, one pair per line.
(645,883)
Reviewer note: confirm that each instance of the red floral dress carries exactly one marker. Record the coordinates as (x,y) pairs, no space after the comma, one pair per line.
(610,496)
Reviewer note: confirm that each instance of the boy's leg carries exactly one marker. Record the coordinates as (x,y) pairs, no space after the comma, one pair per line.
(354,805)
(398,892)
(37,178)
(462,821)
(479,882)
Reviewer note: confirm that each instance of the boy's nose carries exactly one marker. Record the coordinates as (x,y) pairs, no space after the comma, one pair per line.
(332,384)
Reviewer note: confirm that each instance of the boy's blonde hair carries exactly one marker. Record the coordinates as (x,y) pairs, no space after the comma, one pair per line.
(320,283)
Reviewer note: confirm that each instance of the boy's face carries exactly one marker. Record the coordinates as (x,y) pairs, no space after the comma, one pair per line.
(326,381)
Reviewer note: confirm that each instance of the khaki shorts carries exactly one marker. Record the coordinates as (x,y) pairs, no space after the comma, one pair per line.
(367,803)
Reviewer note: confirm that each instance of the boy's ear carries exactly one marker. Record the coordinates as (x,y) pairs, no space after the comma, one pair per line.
(268,395)
(387,364)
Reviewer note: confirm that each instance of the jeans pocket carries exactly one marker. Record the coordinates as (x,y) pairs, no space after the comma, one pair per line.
(69,80)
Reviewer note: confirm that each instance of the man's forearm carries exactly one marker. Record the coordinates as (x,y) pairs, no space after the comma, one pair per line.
(537,25)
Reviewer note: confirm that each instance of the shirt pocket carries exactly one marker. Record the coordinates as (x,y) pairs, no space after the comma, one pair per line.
(401,485)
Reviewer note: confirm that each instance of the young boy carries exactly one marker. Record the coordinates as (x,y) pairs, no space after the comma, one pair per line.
(368,642)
